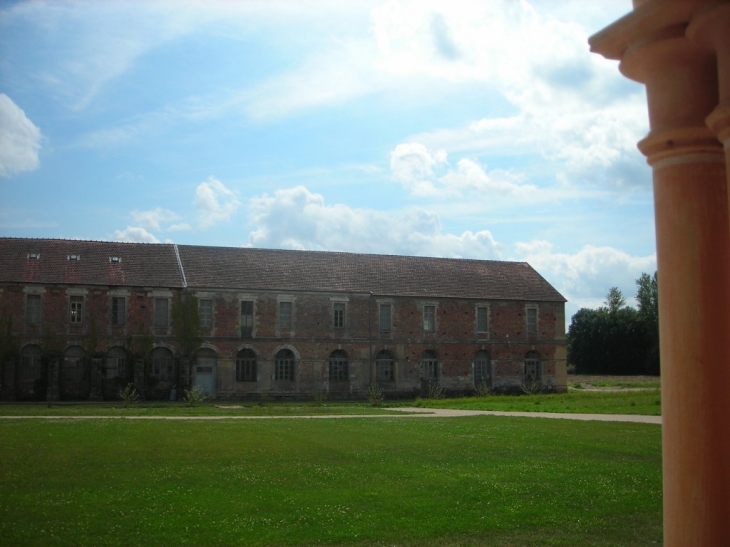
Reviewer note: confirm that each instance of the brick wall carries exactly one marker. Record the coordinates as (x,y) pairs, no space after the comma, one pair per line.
(312,337)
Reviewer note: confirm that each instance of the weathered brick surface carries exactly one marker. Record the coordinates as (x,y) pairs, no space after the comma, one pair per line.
(313,282)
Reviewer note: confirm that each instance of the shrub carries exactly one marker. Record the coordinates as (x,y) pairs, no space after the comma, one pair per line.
(375,395)
(532,388)
(194,396)
(434,391)
(128,395)
(319,397)
(483,389)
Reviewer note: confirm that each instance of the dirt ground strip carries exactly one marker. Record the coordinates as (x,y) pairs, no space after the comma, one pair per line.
(406,413)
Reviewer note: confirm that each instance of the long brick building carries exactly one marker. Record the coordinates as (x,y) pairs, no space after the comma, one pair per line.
(80,319)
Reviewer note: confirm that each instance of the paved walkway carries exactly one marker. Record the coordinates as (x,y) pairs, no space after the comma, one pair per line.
(407,412)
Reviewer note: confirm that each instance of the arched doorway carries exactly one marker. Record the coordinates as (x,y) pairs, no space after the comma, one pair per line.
(205,370)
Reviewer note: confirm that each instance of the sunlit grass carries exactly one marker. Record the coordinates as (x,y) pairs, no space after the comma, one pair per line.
(646,402)
(474,481)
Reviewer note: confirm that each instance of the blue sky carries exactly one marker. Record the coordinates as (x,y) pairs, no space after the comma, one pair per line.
(477,129)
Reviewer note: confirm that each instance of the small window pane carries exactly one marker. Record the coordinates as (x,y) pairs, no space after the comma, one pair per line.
(482,319)
(76,310)
(246,366)
(285,315)
(338,366)
(284,365)
(33,309)
(531,320)
(429,318)
(430,365)
(246,318)
(205,311)
(119,312)
(339,316)
(384,367)
(161,312)
(384,320)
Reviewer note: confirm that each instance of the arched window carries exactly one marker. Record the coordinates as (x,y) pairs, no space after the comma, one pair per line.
(338,365)
(246,366)
(116,363)
(482,368)
(533,372)
(30,367)
(384,366)
(163,364)
(284,365)
(430,365)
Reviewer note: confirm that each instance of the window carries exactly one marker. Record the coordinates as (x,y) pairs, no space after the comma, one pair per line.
(116,363)
(73,365)
(76,310)
(30,367)
(205,312)
(430,365)
(246,318)
(34,256)
(33,309)
(429,318)
(482,319)
(533,372)
(339,315)
(284,364)
(246,366)
(338,365)
(482,368)
(531,320)
(163,364)
(384,366)
(119,311)
(285,315)
(384,318)
(162,316)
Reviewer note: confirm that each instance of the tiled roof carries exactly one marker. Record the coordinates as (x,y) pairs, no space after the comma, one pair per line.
(156,265)
(139,265)
(257,269)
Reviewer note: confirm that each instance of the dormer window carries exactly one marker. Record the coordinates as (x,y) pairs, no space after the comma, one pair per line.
(74,257)
(34,256)
(115,259)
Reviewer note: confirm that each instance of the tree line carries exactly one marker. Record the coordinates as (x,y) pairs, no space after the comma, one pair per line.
(616,338)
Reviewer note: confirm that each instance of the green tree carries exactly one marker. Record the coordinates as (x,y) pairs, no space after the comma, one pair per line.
(186,324)
(647,298)
(614,300)
(614,339)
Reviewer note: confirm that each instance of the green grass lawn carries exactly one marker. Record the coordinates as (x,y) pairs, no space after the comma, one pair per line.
(474,481)
(182,410)
(646,402)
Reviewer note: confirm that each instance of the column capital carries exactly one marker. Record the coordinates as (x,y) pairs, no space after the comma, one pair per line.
(683,145)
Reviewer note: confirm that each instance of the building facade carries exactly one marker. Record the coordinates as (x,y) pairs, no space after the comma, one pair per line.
(82,319)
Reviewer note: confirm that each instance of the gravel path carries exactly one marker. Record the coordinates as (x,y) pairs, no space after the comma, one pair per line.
(407,412)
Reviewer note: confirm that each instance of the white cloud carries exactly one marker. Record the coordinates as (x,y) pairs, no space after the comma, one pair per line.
(585,277)
(299,219)
(155,218)
(215,202)
(134,234)
(19,139)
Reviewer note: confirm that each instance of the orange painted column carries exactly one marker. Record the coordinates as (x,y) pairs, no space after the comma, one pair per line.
(693,256)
